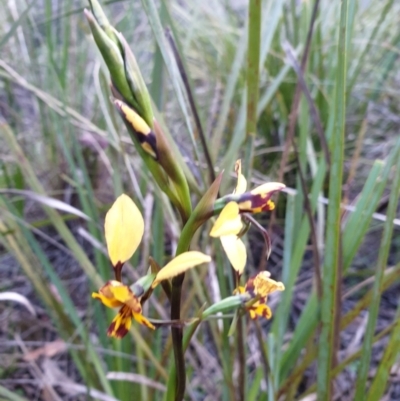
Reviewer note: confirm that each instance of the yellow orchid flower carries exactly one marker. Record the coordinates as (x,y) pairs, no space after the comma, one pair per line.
(124,227)
(260,287)
(229,224)
(114,294)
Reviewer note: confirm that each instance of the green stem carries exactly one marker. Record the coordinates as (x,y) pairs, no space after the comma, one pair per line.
(242,360)
(177,332)
(252,78)
(333,264)
(177,335)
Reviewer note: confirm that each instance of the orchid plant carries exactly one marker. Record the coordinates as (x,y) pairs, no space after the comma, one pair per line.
(124,225)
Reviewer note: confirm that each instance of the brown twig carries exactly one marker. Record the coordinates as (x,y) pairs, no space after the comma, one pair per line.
(290,141)
(192,103)
(291,55)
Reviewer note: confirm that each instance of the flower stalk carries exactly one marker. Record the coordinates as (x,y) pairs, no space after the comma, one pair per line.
(124,225)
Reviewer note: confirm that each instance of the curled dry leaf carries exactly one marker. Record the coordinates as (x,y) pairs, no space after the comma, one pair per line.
(15,297)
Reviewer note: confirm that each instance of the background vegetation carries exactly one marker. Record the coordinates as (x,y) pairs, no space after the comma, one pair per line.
(327,123)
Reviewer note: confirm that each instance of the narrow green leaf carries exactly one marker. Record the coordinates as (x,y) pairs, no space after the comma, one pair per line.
(390,353)
(332,265)
(16,24)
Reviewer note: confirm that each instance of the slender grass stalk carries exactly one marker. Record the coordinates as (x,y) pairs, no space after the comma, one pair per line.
(333,250)
(152,13)
(378,386)
(192,103)
(384,249)
(252,81)
(271,24)
(10,395)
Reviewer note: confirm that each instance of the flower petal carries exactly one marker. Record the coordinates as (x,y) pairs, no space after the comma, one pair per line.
(267,188)
(229,221)
(241,180)
(109,302)
(264,285)
(123,294)
(259,199)
(121,323)
(106,296)
(124,228)
(142,320)
(236,251)
(180,264)
(262,310)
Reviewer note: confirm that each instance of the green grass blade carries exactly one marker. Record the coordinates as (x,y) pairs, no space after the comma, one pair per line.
(378,386)
(358,222)
(153,17)
(252,82)
(231,84)
(331,269)
(10,395)
(384,249)
(16,24)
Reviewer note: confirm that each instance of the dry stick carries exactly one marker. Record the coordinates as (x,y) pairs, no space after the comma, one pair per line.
(264,356)
(307,204)
(294,112)
(355,159)
(192,104)
(291,140)
(291,55)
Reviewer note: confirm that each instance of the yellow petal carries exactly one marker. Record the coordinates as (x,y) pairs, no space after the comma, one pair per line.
(229,221)
(239,290)
(263,285)
(124,228)
(109,302)
(262,310)
(123,294)
(121,323)
(267,188)
(142,320)
(236,251)
(241,180)
(180,264)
